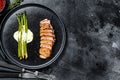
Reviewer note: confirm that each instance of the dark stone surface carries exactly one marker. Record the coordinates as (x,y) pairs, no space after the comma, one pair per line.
(92,49)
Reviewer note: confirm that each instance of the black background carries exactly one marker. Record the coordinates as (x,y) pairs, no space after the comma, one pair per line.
(92,50)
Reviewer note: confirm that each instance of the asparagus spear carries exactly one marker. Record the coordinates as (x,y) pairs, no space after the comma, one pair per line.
(22,38)
(25,30)
(19,36)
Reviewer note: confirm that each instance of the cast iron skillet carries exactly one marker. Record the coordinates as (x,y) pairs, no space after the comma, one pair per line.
(35,14)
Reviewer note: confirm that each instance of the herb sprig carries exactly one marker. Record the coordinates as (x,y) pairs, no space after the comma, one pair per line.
(14,3)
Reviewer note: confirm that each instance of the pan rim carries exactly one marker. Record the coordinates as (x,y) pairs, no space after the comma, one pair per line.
(42,65)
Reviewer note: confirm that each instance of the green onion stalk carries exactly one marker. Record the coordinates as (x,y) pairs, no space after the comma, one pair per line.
(22,35)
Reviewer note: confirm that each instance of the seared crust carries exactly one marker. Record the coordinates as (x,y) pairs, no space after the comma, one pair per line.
(47,39)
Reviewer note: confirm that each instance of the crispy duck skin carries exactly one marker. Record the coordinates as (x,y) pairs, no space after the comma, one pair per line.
(47,39)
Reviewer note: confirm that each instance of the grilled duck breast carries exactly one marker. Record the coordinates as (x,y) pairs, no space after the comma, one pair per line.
(47,38)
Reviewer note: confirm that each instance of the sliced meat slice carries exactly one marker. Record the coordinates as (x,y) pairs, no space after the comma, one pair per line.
(47,30)
(45,52)
(47,34)
(45,26)
(43,57)
(46,42)
(45,21)
(46,46)
(48,38)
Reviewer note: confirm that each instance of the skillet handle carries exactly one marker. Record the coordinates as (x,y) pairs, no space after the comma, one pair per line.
(3,69)
(9,75)
(41,75)
(9,66)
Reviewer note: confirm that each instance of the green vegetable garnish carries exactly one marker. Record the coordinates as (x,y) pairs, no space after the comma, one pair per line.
(14,3)
(22,35)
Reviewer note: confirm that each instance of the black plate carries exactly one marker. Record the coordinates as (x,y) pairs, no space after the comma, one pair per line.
(35,14)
